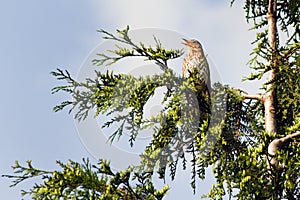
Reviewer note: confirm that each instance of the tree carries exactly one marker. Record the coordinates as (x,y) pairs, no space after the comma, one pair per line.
(253,147)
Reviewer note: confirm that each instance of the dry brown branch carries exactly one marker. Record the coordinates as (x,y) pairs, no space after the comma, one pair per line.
(259,97)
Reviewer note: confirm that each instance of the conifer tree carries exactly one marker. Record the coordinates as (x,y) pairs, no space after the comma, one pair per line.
(251,140)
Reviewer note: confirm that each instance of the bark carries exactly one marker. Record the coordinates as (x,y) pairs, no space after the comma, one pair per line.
(258,97)
(274,165)
(276,144)
(270,96)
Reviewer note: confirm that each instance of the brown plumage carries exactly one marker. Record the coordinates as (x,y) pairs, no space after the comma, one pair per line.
(195,60)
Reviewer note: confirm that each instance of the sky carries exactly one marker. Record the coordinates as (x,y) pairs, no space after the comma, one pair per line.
(39,36)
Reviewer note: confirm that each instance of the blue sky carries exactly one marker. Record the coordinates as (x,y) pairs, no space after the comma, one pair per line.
(39,36)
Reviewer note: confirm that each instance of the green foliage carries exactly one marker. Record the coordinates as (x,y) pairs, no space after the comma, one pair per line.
(288,20)
(86,181)
(229,135)
(123,98)
(284,60)
(158,54)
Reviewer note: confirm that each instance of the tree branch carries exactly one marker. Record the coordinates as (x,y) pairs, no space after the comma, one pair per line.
(245,95)
(276,144)
(259,97)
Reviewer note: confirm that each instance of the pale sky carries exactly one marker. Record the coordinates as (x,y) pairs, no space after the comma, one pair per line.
(39,36)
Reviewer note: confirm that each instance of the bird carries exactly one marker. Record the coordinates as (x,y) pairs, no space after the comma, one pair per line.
(195,62)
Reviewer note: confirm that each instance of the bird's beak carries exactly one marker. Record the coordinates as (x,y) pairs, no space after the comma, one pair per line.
(185,41)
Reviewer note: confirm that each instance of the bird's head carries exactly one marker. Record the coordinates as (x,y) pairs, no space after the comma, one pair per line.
(194,44)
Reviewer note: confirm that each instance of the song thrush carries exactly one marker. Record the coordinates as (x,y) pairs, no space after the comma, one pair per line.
(195,61)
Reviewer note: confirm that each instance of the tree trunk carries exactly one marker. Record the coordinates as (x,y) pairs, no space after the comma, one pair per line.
(270,96)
